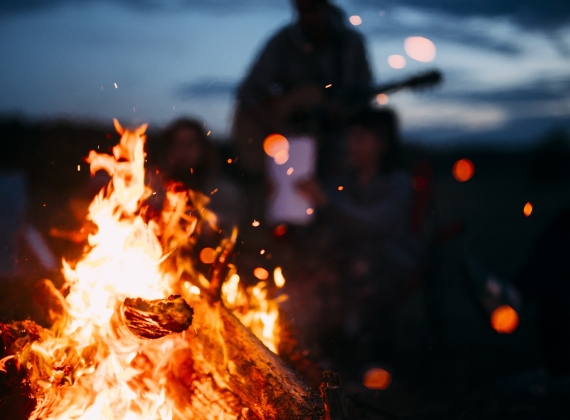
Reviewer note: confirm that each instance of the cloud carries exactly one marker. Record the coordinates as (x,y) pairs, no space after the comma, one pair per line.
(205,88)
(8,7)
(546,14)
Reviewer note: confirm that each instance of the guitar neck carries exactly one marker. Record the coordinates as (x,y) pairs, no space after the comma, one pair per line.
(430,78)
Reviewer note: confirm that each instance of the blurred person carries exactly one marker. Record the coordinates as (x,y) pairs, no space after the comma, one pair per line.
(189,158)
(308,78)
(368,210)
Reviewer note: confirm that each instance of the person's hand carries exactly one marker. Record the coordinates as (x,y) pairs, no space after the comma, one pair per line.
(312,192)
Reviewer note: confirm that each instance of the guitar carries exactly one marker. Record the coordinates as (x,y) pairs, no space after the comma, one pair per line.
(252,126)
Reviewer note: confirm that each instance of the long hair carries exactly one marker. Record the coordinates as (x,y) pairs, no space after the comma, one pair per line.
(208,163)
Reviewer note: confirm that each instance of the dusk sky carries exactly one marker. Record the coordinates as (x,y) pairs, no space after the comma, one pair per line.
(506,63)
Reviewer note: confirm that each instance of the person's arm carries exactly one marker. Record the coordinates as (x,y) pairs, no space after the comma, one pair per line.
(389,214)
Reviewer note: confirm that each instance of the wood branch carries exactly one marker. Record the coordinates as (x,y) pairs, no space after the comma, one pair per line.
(219,267)
(156,318)
(335,404)
(237,360)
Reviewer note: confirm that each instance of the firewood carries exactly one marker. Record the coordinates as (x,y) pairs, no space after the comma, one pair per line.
(238,361)
(156,318)
(335,405)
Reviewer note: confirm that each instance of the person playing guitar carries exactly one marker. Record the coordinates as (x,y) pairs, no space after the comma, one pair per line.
(307,77)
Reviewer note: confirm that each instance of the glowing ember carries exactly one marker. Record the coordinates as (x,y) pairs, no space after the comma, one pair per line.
(527,210)
(504,319)
(278,277)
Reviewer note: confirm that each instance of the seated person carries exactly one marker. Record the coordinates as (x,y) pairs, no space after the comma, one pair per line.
(188,157)
(368,208)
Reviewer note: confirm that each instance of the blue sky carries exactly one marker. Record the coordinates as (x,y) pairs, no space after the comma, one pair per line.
(506,63)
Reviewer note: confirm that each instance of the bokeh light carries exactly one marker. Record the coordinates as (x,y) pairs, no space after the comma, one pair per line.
(261,273)
(382,99)
(281,157)
(527,210)
(504,319)
(355,20)
(420,48)
(377,378)
(397,61)
(278,277)
(463,170)
(275,143)
(280,230)
(208,255)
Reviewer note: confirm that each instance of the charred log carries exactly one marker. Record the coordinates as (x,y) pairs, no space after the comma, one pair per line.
(237,360)
(156,318)
(335,404)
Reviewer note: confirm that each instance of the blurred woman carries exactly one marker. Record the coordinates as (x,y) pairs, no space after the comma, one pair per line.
(369,210)
(188,157)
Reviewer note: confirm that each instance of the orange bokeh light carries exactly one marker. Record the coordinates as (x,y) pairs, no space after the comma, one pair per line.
(382,99)
(420,48)
(275,143)
(261,273)
(208,255)
(280,230)
(463,170)
(377,378)
(281,157)
(527,210)
(504,319)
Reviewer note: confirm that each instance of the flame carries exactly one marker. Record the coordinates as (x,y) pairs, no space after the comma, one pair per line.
(255,306)
(87,366)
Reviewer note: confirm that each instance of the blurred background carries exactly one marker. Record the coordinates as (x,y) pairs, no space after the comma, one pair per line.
(69,67)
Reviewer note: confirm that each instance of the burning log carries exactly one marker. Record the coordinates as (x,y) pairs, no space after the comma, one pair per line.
(224,348)
(156,318)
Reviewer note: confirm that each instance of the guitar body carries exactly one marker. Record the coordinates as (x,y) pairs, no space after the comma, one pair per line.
(250,129)
(252,125)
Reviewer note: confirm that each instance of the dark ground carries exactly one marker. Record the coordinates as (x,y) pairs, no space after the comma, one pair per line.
(456,381)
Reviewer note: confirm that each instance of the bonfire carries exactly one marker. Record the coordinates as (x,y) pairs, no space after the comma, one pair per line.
(139,333)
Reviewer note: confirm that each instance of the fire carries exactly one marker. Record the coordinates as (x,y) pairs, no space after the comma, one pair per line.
(255,307)
(88,366)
